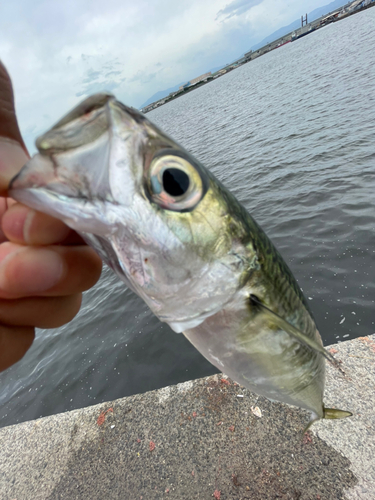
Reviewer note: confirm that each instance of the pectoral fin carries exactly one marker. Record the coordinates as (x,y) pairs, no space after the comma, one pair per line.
(293,331)
(328,413)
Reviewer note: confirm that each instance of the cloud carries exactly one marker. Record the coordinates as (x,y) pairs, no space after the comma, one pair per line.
(237,8)
(92,75)
(94,87)
(59,52)
(112,73)
(105,77)
(143,77)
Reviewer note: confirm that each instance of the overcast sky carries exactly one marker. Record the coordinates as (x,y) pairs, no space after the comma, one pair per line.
(58,52)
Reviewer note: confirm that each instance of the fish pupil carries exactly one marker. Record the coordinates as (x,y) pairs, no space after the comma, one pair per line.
(175,181)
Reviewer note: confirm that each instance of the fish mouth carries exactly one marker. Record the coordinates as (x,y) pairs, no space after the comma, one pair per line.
(86,122)
(81,127)
(59,192)
(70,177)
(76,155)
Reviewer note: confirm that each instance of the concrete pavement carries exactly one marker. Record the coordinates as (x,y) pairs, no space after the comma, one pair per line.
(208,438)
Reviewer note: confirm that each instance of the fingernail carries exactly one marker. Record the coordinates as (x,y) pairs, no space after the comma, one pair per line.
(24,225)
(29,270)
(12,159)
(42,229)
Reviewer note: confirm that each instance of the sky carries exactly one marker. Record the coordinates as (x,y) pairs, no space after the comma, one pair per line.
(60,51)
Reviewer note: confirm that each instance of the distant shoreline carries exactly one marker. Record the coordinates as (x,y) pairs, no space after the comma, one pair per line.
(293,36)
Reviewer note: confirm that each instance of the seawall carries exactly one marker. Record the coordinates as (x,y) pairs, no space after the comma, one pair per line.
(203,439)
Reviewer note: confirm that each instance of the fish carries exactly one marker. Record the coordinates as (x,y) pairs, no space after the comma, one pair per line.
(182,242)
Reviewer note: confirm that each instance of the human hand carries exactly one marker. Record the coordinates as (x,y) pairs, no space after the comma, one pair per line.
(44,265)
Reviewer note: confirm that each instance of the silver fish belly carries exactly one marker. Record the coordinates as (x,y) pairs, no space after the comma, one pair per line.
(183,243)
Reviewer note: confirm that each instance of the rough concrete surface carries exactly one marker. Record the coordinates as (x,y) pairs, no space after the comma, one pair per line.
(201,440)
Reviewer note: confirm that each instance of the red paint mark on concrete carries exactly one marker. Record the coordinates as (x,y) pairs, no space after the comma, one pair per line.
(101,418)
(369,342)
(307,438)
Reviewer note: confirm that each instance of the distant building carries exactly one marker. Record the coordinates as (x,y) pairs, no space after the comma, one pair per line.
(355,4)
(200,78)
(182,87)
(206,76)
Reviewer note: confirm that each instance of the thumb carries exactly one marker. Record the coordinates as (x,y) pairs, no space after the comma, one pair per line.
(13,152)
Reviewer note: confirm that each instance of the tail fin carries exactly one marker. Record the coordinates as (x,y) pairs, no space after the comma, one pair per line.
(333,413)
(328,413)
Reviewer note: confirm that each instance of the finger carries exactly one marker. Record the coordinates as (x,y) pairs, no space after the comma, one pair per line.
(14,342)
(52,271)
(26,226)
(41,312)
(21,224)
(8,123)
(3,207)
(5,203)
(13,153)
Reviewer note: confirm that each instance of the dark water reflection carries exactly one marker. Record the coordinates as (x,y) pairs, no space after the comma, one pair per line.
(292,135)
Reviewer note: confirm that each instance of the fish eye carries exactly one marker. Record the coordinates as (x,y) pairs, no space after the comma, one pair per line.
(174,182)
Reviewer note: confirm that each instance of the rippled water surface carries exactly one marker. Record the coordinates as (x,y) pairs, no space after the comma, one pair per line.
(292,135)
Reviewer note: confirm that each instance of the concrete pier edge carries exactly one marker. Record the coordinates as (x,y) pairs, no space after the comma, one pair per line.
(203,439)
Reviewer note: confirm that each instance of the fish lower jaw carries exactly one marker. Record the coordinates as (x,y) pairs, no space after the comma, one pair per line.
(76,214)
